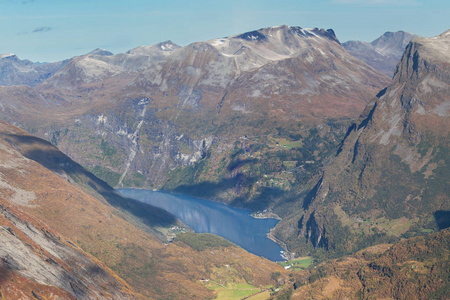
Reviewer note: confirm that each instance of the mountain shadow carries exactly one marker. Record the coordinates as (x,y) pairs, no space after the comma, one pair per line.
(5,273)
(51,158)
(211,190)
(442,218)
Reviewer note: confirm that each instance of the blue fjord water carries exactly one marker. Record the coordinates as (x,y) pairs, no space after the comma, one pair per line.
(203,216)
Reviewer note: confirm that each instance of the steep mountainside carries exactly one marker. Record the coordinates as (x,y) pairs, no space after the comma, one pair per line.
(14,71)
(383,53)
(36,262)
(217,113)
(57,239)
(390,177)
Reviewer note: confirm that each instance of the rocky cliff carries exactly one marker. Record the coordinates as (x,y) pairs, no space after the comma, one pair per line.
(390,174)
(36,261)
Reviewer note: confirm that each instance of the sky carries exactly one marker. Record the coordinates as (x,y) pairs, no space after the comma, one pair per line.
(53,30)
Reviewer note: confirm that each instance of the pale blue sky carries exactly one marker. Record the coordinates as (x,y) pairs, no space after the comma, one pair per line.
(52,30)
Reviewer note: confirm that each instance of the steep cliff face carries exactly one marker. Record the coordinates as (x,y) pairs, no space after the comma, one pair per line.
(391,172)
(37,262)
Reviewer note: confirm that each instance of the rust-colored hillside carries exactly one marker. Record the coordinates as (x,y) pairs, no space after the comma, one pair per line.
(50,225)
(417,268)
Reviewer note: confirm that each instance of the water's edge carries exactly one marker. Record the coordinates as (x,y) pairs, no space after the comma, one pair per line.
(237,225)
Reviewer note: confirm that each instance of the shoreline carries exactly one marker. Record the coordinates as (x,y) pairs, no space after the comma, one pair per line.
(285,254)
(266,214)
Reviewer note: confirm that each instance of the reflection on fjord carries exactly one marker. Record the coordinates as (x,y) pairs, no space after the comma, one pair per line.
(203,216)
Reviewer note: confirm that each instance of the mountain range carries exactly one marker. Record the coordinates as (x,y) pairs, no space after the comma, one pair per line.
(384,52)
(284,120)
(161,108)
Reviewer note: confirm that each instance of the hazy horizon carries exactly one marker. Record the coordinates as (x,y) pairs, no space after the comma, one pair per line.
(46,31)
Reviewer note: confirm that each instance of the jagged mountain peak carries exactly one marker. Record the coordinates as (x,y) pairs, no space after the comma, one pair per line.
(439,46)
(168,46)
(263,34)
(425,55)
(15,71)
(276,43)
(315,32)
(394,162)
(10,58)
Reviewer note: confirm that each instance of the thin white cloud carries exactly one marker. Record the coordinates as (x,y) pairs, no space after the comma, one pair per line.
(42,29)
(379,2)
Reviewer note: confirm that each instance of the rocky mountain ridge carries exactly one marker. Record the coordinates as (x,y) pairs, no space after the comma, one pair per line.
(36,261)
(390,175)
(14,71)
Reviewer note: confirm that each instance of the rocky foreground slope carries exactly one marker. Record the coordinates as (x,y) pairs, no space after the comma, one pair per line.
(390,176)
(65,233)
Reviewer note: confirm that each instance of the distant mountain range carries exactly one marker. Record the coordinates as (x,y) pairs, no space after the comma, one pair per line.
(14,71)
(162,107)
(383,53)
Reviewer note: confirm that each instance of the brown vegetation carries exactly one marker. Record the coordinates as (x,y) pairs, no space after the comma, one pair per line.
(417,268)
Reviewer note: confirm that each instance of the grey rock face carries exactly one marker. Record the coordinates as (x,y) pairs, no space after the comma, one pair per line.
(80,276)
(388,142)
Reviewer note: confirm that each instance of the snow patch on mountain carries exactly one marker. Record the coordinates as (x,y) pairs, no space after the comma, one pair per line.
(95,69)
(6,55)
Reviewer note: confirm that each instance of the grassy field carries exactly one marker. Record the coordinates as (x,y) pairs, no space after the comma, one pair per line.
(235,291)
(285,143)
(261,296)
(298,263)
